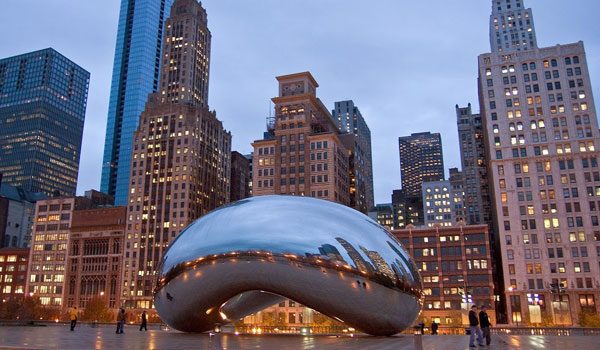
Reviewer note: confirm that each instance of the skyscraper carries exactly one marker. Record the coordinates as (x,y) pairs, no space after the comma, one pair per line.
(43,98)
(474,167)
(135,75)
(304,152)
(541,135)
(511,27)
(181,154)
(350,121)
(420,160)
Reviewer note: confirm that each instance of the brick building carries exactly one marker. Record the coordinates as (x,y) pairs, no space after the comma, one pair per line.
(455,266)
(13,272)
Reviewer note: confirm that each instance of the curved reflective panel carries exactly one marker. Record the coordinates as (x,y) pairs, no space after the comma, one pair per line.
(246,256)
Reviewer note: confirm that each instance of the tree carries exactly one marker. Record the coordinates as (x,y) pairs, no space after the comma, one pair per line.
(589,319)
(96,310)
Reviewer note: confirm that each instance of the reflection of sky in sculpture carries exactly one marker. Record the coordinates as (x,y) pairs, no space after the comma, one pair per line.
(289,225)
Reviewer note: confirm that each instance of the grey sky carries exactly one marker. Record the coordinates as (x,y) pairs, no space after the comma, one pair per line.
(406,64)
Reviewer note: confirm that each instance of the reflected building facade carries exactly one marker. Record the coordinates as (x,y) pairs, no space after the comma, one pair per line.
(43,97)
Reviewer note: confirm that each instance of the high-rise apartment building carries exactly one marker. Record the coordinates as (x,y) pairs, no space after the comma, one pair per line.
(443,202)
(304,153)
(43,98)
(50,239)
(180,162)
(135,75)
(511,27)
(421,160)
(474,166)
(383,214)
(542,143)
(350,121)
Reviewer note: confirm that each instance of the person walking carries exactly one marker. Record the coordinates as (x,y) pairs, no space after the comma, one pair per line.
(422,327)
(144,320)
(484,323)
(73,318)
(474,327)
(119,319)
(434,328)
(123,320)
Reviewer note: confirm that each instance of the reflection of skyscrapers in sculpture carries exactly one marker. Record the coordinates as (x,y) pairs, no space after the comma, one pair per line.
(135,75)
(355,256)
(379,263)
(330,251)
(181,153)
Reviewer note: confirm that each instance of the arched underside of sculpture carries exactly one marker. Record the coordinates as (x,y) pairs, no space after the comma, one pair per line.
(252,254)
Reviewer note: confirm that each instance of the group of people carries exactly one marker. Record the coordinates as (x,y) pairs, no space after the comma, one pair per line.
(479,326)
(121,319)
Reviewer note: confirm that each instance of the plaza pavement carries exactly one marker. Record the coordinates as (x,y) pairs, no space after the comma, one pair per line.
(85,337)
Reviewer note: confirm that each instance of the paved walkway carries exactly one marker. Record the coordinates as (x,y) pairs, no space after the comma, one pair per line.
(59,337)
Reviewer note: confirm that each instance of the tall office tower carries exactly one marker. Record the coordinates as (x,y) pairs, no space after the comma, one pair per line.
(474,167)
(50,239)
(542,136)
(350,121)
(135,75)
(303,153)
(43,98)
(511,27)
(241,177)
(443,201)
(181,155)
(420,160)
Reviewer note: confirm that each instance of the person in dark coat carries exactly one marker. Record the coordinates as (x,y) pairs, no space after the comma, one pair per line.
(422,327)
(484,323)
(474,326)
(119,318)
(144,320)
(434,328)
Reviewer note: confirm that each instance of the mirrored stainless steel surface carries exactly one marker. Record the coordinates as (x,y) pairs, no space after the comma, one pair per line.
(248,255)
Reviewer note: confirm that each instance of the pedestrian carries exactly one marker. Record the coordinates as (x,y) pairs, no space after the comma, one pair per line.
(144,320)
(434,327)
(73,318)
(123,320)
(119,319)
(474,327)
(422,327)
(484,322)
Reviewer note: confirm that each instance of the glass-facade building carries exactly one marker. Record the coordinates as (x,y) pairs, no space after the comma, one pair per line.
(135,75)
(43,98)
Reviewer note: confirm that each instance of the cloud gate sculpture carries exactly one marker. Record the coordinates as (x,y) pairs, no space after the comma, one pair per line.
(254,253)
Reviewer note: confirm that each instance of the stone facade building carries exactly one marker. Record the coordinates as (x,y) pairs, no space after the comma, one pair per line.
(95,256)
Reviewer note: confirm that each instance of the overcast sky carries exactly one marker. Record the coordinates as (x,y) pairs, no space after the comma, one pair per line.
(406,64)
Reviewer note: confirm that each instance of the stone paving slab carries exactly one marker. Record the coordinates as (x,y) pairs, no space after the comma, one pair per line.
(59,337)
